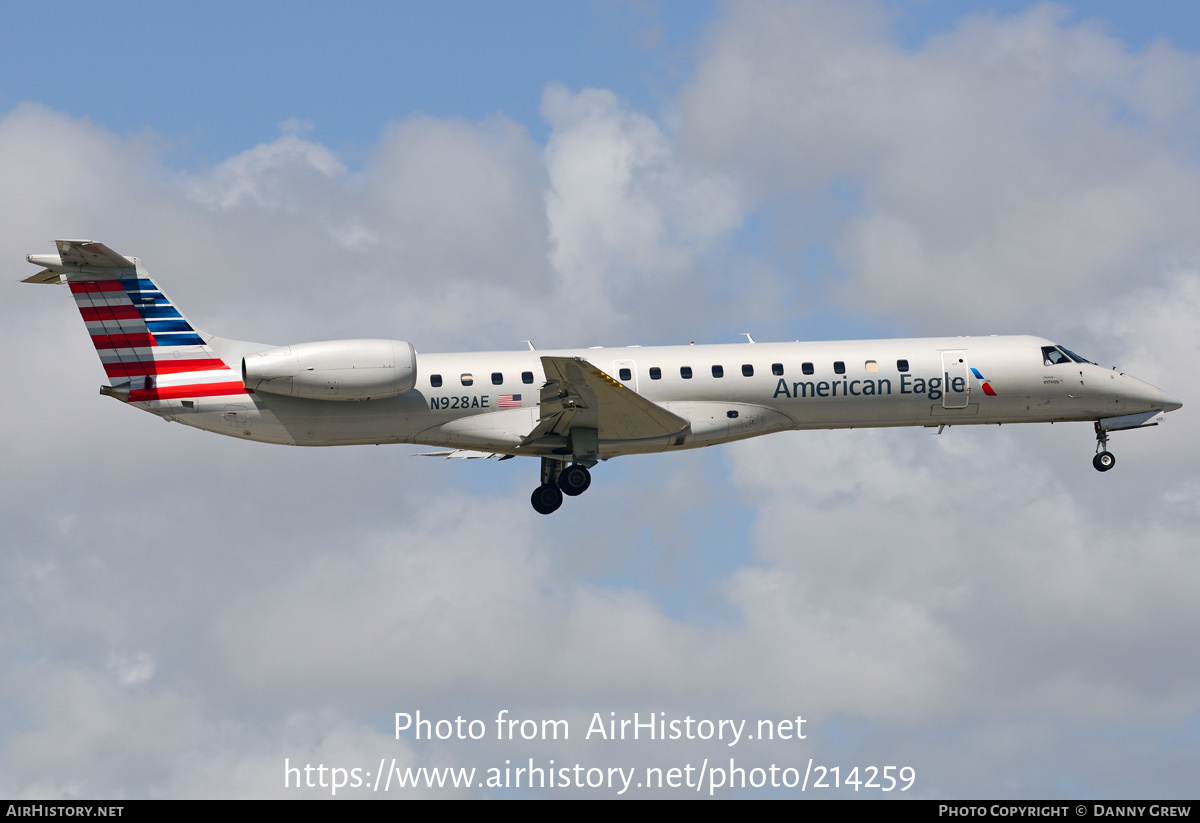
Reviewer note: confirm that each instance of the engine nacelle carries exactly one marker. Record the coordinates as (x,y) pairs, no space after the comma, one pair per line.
(334,369)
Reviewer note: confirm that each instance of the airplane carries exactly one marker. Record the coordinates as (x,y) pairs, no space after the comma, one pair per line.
(571,408)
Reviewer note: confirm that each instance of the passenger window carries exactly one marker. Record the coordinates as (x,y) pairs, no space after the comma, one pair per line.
(497,378)
(902,365)
(839,367)
(626,375)
(777,369)
(526,377)
(807,368)
(435,380)
(718,371)
(747,370)
(655,373)
(871,366)
(685,372)
(468,379)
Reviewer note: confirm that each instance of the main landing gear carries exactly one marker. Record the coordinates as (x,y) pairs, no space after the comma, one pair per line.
(1104,460)
(558,480)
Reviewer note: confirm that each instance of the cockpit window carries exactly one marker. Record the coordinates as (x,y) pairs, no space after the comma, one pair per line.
(1075,357)
(1056,355)
(1053,356)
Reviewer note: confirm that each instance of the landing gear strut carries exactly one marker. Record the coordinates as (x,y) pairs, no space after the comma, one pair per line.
(558,480)
(1104,460)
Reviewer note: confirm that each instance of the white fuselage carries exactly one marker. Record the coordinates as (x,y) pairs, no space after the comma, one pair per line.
(570,408)
(488,401)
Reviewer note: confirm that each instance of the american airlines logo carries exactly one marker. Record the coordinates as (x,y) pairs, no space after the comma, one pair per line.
(987,387)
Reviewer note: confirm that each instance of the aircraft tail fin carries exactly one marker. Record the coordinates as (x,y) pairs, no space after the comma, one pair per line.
(149,349)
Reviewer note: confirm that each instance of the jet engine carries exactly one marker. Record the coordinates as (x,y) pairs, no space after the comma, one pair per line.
(334,369)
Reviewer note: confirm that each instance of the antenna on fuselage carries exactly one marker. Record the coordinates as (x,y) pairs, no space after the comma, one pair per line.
(749,339)
(529,343)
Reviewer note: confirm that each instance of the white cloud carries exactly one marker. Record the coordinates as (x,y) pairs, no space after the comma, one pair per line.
(1002,171)
(287,174)
(629,222)
(131,669)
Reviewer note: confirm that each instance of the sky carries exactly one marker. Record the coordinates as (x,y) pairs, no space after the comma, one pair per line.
(184,615)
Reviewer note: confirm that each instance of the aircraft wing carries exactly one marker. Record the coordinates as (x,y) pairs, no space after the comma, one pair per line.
(463,454)
(578,394)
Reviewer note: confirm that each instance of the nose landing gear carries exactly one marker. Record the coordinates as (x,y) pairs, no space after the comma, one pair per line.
(558,480)
(1104,459)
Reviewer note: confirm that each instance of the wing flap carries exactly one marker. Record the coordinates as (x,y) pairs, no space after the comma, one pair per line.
(579,394)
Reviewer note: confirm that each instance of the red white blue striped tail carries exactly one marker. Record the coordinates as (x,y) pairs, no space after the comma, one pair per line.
(144,342)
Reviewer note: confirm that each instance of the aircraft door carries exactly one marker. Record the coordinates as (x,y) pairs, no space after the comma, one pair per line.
(954,373)
(626,372)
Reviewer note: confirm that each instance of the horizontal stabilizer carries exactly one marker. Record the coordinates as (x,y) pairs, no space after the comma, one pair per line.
(44,276)
(79,253)
(79,256)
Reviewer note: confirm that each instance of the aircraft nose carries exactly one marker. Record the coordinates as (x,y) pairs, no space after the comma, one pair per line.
(1151,398)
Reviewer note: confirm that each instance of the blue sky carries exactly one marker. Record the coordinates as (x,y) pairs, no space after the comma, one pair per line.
(185,611)
(212,80)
